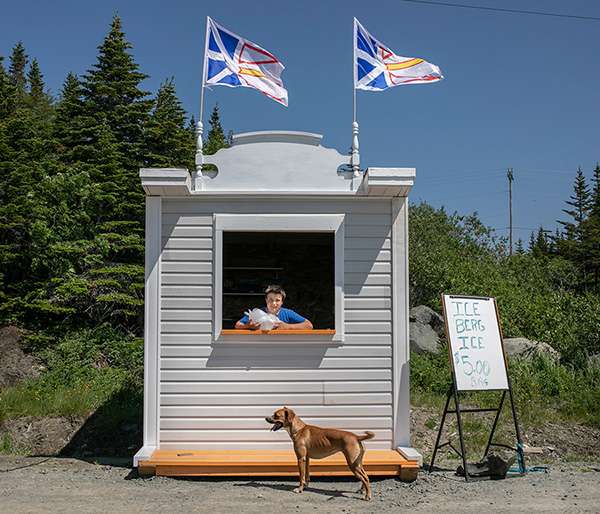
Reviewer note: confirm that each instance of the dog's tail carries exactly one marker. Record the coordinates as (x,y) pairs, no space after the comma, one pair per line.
(368,435)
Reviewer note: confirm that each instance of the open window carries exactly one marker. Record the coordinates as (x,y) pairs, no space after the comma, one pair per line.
(302,253)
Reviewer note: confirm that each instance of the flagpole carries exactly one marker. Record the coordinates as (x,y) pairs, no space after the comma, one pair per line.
(199,126)
(355,155)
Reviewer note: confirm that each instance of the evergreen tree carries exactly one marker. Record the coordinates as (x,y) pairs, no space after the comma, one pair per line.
(539,245)
(18,65)
(168,141)
(7,92)
(69,121)
(580,203)
(216,137)
(519,248)
(112,93)
(590,239)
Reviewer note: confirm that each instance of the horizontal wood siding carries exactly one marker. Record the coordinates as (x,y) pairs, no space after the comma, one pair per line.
(216,396)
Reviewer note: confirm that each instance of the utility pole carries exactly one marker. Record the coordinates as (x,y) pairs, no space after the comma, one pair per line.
(509,175)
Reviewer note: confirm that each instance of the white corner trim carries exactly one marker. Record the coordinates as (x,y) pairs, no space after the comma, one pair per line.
(410,454)
(144,453)
(152,321)
(400,324)
(279,223)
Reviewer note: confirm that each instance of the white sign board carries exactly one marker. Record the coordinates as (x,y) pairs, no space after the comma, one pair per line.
(473,333)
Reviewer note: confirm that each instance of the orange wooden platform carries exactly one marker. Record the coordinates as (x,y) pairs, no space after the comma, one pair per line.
(269,463)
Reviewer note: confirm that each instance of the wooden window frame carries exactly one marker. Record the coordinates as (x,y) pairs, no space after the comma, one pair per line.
(333,223)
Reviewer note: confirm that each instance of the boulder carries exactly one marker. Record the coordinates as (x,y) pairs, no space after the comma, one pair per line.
(427,316)
(423,339)
(526,349)
(15,364)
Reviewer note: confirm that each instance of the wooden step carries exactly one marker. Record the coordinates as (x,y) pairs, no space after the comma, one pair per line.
(270,463)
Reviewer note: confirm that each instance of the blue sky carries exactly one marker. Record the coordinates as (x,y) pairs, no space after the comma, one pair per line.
(521,91)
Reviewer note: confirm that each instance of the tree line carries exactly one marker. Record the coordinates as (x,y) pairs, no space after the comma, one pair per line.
(72,210)
(71,203)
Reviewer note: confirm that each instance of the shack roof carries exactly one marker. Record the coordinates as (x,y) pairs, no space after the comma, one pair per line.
(279,163)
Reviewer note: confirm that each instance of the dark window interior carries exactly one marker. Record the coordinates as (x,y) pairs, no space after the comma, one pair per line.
(302,263)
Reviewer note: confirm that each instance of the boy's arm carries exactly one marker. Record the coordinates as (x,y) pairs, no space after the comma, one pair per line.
(304,325)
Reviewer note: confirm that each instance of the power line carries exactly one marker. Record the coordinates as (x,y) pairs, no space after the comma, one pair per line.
(499,9)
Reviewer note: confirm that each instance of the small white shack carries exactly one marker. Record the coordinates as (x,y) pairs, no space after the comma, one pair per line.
(279,207)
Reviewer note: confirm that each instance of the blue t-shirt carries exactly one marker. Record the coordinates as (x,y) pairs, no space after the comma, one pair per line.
(285,315)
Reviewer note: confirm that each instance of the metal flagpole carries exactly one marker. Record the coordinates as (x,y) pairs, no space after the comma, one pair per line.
(199,126)
(355,155)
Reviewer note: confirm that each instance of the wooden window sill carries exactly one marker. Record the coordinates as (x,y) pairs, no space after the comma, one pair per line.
(316,332)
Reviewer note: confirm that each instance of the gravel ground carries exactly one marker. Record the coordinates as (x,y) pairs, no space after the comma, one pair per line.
(34,484)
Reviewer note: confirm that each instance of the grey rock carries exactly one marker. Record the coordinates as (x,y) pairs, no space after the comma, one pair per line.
(423,339)
(427,316)
(526,349)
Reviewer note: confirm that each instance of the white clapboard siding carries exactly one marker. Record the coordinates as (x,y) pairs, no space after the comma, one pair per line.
(268,375)
(375,386)
(187,243)
(186,315)
(186,303)
(186,279)
(187,267)
(268,351)
(215,396)
(175,327)
(367,303)
(354,279)
(369,315)
(270,399)
(187,255)
(190,363)
(213,411)
(367,243)
(182,291)
(263,435)
(234,423)
(367,267)
(183,231)
(254,445)
(186,219)
(353,254)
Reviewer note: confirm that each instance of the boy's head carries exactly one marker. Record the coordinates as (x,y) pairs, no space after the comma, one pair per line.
(274,297)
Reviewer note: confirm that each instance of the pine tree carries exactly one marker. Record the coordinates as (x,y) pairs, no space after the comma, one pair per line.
(590,239)
(7,92)
(18,65)
(169,143)
(519,248)
(216,137)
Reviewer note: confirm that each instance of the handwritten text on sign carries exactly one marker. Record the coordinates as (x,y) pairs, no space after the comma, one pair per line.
(475,343)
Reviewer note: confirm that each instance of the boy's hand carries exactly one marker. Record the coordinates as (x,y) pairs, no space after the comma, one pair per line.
(252,326)
(281,326)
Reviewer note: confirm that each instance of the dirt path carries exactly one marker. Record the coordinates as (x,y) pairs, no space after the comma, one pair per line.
(34,484)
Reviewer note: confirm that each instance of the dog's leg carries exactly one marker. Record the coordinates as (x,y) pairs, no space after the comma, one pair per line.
(307,471)
(364,478)
(302,458)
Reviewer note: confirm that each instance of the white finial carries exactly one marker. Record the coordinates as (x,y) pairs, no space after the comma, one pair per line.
(197,175)
(355,156)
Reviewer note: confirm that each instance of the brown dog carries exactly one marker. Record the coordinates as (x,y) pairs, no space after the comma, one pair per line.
(311,442)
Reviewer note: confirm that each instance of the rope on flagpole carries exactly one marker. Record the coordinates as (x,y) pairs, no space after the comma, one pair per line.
(197,174)
(355,155)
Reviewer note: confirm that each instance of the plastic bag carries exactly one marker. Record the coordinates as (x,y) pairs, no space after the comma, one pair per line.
(265,320)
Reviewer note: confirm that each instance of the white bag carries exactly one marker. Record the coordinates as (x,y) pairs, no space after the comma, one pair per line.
(265,320)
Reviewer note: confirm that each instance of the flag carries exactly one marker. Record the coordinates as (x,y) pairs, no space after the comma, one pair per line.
(377,68)
(233,61)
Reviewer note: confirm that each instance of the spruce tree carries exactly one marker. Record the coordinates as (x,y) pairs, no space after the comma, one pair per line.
(169,143)
(216,137)
(69,128)
(590,239)
(112,93)
(580,203)
(17,72)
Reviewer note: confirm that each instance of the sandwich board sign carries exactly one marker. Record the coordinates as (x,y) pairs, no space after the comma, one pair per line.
(478,363)
(475,343)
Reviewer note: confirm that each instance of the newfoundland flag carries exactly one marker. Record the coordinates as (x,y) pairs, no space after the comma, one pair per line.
(377,68)
(236,62)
